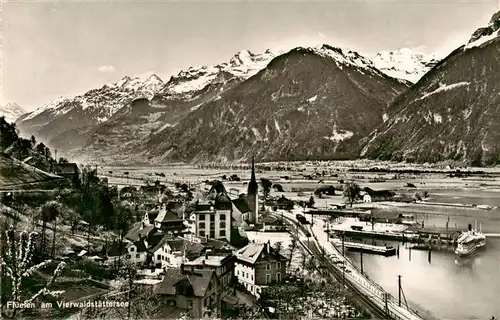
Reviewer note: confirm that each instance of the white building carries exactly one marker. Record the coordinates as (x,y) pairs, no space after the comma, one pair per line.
(258,265)
(213,219)
(172,252)
(136,251)
(367,198)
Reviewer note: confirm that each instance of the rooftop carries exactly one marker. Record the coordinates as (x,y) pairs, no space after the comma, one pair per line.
(215,261)
(256,251)
(199,280)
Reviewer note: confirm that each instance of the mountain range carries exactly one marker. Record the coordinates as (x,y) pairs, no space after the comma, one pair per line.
(452,112)
(11,111)
(405,63)
(321,102)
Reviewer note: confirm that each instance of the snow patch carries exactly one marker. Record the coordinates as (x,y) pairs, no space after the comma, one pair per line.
(444,87)
(312,99)
(482,40)
(277,126)
(339,135)
(385,117)
(256,133)
(438,118)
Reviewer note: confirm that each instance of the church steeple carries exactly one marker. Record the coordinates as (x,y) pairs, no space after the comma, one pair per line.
(252,196)
(252,185)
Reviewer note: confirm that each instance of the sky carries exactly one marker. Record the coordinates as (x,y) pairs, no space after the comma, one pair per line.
(53,49)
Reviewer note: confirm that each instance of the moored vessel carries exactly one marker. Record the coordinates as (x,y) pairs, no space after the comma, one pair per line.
(469,242)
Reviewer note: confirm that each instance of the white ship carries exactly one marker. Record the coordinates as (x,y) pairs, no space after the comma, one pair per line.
(469,242)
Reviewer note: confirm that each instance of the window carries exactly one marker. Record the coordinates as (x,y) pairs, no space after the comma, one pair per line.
(237,272)
(251,288)
(202,233)
(252,277)
(223,224)
(162,257)
(171,303)
(158,257)
(268,266)
(222,233)
(189,304)
(202,225)
(268,278)
(223,217)
(278,265)
(131,249)
(278,277)
(128,256)
(202,217)
(212,233)
(137,255)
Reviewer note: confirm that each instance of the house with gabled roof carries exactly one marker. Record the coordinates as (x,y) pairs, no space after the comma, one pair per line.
(137,251)
(194,291)
(140,231)
(258,265)
(172,251)
(169,222)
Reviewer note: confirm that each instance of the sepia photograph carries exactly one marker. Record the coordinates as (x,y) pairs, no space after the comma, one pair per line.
(243,159)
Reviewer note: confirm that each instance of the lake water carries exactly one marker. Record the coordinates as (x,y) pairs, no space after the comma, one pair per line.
(448,289)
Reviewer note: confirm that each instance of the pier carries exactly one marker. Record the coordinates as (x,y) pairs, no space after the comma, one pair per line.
(363,247)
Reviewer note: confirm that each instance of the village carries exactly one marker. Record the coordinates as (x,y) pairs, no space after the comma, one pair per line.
(219,248)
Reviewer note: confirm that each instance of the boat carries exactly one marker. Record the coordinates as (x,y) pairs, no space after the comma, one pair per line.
(469,242)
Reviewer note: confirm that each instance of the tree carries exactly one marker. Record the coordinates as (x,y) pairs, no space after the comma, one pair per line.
(351,192)
(310,203)
(33,141)
(292,247)
(278,246)
(48,213)
(17,263)
(266,187)
(63,160)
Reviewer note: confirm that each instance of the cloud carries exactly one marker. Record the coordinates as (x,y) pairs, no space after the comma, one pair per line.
(321,35)
(107,69)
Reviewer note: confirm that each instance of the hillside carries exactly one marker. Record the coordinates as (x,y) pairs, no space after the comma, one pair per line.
(453,112)
(15,174)
(307,103)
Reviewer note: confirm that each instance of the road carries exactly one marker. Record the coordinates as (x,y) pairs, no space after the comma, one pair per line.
(313,248)
(373,294)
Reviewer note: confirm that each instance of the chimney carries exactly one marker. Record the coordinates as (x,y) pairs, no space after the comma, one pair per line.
(469,227)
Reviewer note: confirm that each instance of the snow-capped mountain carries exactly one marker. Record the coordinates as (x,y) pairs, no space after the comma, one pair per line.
(450,114)
(404,63)
(11,111)
(308,103)
(89,109)
(241,66)
(486,34)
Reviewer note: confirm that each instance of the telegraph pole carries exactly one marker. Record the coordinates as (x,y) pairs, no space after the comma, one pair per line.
(399,290)
(343,240)
(361,261)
